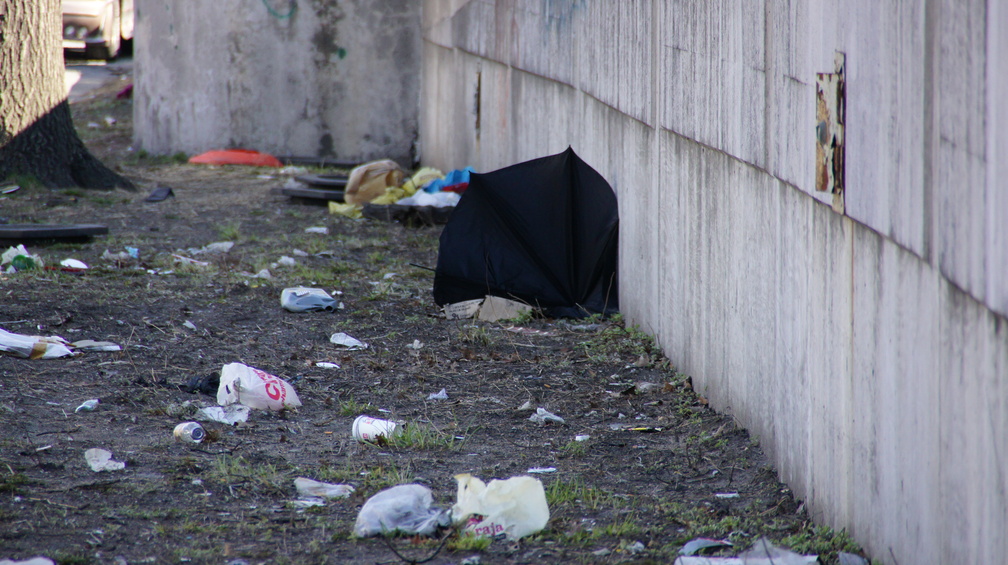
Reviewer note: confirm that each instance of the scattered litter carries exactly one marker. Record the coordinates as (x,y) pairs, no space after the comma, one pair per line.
(697,545)
(308,502)
(515,507)
(724,495)
(101,460)
(305,299)
(368,429)
(236,157)
(326,365)
(347,341)
(92,345)
(488,309)
(39,560)
(526,407)
(189,325)
(455,181)
(441,395)
(9,189)
(187,260)
(369,181)
(322,230)
(159,194)
(285,261)
(602,552)
(88,406)
(761,553)
(230,415)
(254,388)
(189,432)
(436,200)
(404,508)
(471,560)
(543,415)
(416,345)
(584,437)
(462,310)
(635,548)
(19,259)
(109,121)
(309,487)
(74,264)
(217,247)
(644,387)
(529,331)
(34,347)
(133,252)
(541,470)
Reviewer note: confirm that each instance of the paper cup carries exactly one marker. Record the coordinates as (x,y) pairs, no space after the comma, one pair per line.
(367,429)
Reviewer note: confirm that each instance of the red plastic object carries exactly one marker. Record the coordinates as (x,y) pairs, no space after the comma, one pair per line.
(236,157)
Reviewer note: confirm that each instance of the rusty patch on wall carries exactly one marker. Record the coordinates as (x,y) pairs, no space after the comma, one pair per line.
(830,118)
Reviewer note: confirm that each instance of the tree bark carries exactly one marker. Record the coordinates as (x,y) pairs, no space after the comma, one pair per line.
(37,136)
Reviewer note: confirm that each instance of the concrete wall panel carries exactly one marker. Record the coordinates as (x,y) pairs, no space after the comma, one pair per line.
(866,350)
(330,79)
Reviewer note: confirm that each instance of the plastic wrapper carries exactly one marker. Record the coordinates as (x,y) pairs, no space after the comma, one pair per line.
(309,487)
(33,346)
(304,299)
(405,508)
(257,389)
(515,507)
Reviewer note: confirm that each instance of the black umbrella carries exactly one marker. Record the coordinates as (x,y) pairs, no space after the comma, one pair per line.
(543,232)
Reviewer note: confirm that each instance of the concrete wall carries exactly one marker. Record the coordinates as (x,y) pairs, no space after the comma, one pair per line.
(333,78)
(867,350)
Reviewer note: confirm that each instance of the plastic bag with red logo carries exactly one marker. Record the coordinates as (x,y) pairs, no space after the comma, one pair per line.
(254,388)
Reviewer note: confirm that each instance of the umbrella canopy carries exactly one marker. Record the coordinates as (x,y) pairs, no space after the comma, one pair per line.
(543,232)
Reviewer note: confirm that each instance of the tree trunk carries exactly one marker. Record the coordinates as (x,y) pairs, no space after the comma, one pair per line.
(37,136)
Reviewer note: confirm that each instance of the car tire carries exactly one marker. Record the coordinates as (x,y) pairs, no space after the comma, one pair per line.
(111,34)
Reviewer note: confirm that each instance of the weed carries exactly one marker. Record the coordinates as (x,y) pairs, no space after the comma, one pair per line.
(13,483)
(468,541)
(475,335)
(575,449)
(562,492)
(260,477)
(353,407)
(422,436)
(229,232)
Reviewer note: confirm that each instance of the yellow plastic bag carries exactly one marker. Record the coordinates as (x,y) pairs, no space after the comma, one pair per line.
(515,507)
(369,181)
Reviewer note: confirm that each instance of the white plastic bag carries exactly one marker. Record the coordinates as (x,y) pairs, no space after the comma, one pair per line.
(33,346)
(309,487)
(405,508)
(515,507)
(254,388)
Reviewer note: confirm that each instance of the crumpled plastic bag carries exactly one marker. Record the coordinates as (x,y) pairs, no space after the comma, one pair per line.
(405,508)
(515,507)
(254,388)
(310,487)
(370,180)
(33,346)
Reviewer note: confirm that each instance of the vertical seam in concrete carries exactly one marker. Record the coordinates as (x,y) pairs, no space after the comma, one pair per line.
(767,80)
(928,122)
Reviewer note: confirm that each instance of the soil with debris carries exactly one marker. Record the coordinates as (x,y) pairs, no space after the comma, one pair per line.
(656,468)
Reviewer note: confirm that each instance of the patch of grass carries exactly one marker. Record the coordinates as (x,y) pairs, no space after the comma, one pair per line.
(628,526)
(142,157)
(367,479)
(229,232)
(575,492)
(575,448)
(353,407)
(423,436)
(237,471)
(821,540)
(13,483)
(467,541)
(475,335)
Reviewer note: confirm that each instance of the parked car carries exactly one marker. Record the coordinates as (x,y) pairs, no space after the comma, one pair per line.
(97,28)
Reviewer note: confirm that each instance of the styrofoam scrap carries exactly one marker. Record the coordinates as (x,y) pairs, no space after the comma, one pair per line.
(347,341)
(101,460)
(543,415)
(313,488)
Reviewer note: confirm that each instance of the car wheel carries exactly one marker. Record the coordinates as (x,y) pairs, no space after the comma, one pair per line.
(110,33)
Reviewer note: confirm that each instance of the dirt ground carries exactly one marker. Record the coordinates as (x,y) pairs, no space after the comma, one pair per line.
(660,468)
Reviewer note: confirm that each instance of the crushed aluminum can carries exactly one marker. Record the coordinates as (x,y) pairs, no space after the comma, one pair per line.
(190,432)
